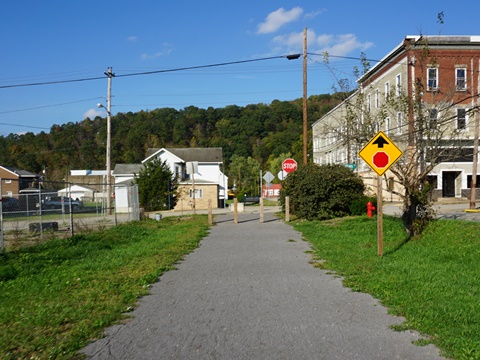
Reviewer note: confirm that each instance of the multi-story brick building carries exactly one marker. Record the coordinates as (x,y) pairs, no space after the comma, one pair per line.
(424,95)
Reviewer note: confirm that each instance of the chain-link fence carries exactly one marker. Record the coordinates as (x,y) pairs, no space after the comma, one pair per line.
(33,214)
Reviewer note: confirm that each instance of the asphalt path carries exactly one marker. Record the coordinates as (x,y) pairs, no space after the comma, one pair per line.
(250,292)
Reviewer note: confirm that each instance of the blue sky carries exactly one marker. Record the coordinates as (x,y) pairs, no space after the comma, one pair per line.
(45,41)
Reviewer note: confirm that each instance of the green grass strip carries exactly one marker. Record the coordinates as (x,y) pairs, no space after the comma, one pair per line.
(433,280)
(56,296)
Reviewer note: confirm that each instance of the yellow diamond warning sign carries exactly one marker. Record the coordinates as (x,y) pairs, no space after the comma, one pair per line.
(380,153)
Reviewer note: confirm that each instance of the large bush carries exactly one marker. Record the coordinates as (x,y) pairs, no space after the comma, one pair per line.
(321,192)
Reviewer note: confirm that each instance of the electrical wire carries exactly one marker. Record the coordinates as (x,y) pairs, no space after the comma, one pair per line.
(49,106)
(145,72)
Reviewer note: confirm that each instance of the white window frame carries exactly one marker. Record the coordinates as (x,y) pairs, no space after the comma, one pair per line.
(432,81)
(198,193)
(8,181)
(398,85)
(387,90)
(461,80)
(369,99)
(465,120)
(9,193)
(387,125)
(377,99)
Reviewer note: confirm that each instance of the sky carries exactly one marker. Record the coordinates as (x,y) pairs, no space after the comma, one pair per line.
(211,53)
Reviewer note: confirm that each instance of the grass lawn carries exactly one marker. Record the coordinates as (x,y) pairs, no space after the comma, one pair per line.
(56,296)
(432,281)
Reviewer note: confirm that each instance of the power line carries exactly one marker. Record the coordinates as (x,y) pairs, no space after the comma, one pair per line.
(148,72)
(49,106)
(26,126)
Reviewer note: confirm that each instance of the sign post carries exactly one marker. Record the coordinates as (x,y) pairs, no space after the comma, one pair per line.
(380,154)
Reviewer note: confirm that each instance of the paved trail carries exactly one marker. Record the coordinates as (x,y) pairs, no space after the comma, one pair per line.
(249,292)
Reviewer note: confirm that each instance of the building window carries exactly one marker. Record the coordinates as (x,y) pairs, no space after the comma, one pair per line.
(377,99)
(461,79)
(369,99)
(399,123)
(198,193)
(387,125)
(9,193)
(469,181)
(387,90)
(398,85)
(461,119)
(8,181)
(432,78)
(433,118)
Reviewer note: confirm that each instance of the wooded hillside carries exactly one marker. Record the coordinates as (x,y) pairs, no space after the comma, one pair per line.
(260,131)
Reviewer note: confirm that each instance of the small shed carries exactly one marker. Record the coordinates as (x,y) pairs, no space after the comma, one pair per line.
(82,193)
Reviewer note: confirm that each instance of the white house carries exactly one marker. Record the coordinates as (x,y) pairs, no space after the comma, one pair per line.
(209,181)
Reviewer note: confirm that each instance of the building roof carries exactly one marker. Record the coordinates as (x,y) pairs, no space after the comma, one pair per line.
(463,41)
(204,155)
(20,173)
(127,169)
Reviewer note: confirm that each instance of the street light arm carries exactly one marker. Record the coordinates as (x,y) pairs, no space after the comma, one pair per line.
(101,106)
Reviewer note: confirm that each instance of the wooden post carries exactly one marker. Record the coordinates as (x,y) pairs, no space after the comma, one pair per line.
(305,117)
(287,208)
(210,218)
(261,210)
(379,216)
(235,210)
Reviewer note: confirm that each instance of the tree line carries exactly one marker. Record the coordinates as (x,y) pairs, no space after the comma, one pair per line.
(258,131)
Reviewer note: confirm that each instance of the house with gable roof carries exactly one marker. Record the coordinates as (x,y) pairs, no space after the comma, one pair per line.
(208,179)
(14,180)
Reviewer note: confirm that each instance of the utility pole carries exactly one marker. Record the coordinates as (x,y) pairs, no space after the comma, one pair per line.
(473,185)
(109,74)
(305,122)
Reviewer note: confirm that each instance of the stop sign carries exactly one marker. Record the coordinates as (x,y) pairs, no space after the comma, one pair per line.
(380,159)
(289,165)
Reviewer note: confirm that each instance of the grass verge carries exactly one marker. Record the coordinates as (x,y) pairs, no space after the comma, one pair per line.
(432,281)
(56,296)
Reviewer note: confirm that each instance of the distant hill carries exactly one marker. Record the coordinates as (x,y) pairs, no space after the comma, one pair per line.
(258,130)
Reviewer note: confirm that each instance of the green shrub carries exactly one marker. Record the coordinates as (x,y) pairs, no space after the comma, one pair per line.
(359,206)
(322,192)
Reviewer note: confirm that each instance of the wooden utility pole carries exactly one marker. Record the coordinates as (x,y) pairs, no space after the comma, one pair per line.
(109,74)
(305,122)
(473,185)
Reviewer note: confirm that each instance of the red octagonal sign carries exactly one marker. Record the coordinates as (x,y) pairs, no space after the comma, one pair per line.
(289,165)
(380,159)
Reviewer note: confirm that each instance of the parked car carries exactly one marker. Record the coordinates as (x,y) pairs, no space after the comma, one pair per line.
(57,202)
(10,204)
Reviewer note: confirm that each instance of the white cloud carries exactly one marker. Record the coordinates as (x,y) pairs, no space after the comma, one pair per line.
(314,14)
(167,50)
(294,41)
(132,38)
(276,19)
(93,113)
(339,45)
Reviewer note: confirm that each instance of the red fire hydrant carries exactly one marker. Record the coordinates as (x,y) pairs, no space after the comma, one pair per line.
(370,209)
